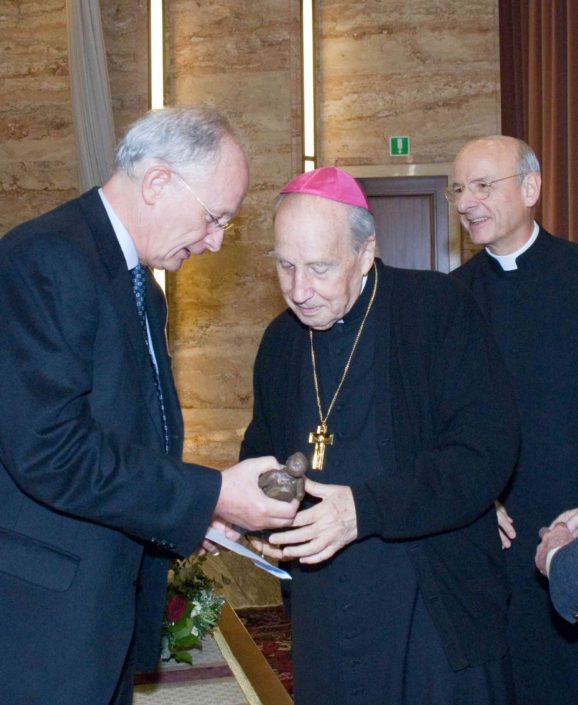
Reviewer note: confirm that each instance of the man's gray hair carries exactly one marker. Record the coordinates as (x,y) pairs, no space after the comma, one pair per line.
(361,222)
(184,138)
(527,160)
(362,226)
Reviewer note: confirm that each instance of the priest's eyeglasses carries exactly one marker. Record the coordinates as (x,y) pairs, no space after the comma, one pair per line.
(213,223)
(479,188)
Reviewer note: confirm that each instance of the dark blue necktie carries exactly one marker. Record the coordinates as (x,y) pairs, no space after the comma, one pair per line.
(139,280)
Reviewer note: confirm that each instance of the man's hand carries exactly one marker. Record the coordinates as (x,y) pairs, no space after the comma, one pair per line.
(505,525)
(570,518)
(552,537)
(225,528)
(320,531)
(243,503)
(265,549)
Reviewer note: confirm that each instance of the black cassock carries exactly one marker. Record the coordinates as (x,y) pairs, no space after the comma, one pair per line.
(362,633)
(533,311)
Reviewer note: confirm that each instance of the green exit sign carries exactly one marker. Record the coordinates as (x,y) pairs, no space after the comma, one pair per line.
(399,146)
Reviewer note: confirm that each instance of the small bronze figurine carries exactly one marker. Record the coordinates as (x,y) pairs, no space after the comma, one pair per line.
(288,482)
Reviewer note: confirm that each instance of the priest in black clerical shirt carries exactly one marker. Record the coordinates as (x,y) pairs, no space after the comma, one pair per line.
(526,282)
(391,383)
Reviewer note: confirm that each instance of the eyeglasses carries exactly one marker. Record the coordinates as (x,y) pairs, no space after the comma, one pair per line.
(213,223)
(479,188)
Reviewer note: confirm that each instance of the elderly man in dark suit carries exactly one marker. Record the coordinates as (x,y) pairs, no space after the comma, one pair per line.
(93,494)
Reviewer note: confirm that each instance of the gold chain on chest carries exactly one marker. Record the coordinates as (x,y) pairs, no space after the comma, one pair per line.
(321,437)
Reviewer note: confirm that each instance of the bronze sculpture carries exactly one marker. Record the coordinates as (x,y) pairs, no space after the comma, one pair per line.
(288,482)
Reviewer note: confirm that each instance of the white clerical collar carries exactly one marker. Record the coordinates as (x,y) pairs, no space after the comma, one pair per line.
(508,262)
(123,236)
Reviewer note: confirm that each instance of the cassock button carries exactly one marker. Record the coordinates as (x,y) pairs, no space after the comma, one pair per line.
(346,608)
(575,615)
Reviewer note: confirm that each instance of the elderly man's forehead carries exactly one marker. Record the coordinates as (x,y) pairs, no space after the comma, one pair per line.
(490,149)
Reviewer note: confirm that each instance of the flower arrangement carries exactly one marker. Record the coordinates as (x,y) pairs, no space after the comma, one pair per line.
(192,609)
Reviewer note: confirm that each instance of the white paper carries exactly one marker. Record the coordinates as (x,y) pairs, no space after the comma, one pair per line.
(217,537)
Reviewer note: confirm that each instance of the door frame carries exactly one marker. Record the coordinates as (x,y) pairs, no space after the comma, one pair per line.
(402,170)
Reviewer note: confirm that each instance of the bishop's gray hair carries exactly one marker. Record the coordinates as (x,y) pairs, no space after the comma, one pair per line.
(362,226)
(361,222)
(185,138)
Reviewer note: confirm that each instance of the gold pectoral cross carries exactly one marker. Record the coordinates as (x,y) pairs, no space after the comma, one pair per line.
(321,439)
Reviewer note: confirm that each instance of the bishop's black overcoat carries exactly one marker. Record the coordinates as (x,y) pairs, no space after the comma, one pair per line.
(440,381)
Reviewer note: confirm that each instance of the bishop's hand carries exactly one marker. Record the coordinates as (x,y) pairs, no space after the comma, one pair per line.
(319,532)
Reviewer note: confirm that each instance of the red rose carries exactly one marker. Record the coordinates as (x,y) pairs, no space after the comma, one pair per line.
(176,608)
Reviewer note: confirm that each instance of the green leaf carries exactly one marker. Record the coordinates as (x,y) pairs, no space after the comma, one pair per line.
(189,642)
(183,627)
(183,657)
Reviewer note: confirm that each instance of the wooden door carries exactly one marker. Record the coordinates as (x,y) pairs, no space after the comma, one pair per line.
(411,220)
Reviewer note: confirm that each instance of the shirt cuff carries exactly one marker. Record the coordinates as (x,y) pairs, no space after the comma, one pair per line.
(551,553)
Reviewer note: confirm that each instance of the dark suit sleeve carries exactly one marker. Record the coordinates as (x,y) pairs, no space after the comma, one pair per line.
(564,581)
(51,443)
(456,422)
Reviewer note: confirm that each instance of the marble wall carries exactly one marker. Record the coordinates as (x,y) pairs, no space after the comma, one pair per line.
(37,151)
(125,30)
(421,68)
(384,67)
(37,167)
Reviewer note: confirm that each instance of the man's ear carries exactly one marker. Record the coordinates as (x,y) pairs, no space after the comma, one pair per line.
(368,254)
(155,182)
(531,188)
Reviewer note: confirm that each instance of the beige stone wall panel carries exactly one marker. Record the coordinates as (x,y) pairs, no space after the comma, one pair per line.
(36,145)
(125,30)
(422,69)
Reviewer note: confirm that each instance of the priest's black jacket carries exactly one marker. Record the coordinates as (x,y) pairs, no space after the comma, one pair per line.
(533,314)
(455,437)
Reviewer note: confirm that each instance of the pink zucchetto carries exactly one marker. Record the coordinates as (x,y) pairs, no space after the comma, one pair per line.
(329,182)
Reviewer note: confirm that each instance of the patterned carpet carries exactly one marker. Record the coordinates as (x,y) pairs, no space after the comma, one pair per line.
(208,681)
(270,629)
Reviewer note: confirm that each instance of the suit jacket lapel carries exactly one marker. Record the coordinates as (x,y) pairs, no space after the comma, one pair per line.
(114,264)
